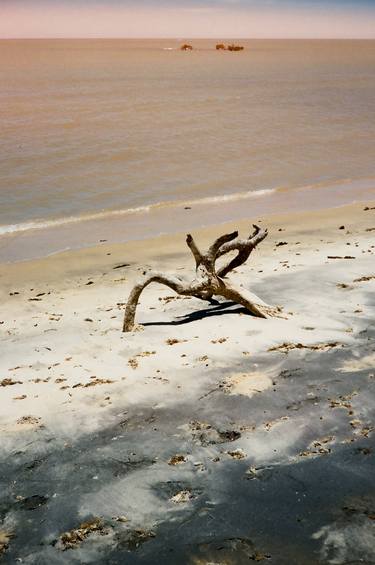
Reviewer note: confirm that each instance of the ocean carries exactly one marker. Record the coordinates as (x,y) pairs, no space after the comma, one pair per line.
(126,139)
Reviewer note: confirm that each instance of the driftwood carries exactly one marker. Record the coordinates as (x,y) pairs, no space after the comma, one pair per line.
(208,282)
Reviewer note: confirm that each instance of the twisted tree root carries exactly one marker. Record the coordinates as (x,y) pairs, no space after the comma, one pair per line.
(209,282)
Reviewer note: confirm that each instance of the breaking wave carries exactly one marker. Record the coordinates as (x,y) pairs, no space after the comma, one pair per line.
(45,224)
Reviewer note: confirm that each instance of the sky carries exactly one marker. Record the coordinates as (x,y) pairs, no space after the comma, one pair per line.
(188,18)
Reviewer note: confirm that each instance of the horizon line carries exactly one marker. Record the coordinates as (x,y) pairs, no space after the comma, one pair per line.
(181,38)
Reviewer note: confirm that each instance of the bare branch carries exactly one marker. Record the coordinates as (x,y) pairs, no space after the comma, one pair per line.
(250,301)
(244,248)
(215,247)
(174,283)
(254,239)
(194,249)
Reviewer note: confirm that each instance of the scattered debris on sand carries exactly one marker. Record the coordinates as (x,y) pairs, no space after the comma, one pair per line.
(286,347)
(206,434)
(345,286)
(253,472)
(121,266)
(365,278)
(146,353)
(177,459)
(96,381)
(182,496)
(271,423)
(237,454)
(173,341)
(343,401)
(122,519)
(33,420)
(203,358)
(133,363)
(317,447)
(39,380)
(73,538)
(9,382)
(168,299)
(220,340)
(366,430)
(5,537)
(340,257)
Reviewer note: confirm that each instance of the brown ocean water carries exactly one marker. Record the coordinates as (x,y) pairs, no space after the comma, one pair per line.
(123,135)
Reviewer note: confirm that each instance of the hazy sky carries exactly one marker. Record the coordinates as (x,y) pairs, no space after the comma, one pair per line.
(187,18)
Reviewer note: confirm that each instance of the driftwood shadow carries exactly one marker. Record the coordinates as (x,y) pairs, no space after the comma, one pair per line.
(219,309)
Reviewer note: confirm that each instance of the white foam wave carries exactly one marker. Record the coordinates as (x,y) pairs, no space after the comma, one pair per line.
(45,224)
(232,197)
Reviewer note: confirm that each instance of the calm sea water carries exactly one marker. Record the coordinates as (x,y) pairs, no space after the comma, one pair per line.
(101,128)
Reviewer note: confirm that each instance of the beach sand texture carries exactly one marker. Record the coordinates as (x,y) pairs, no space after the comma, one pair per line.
(208,435)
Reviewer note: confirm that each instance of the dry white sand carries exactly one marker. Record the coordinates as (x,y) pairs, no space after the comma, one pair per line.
(61,318)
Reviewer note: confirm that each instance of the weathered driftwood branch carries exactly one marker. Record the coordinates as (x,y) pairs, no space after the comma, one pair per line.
(209,282)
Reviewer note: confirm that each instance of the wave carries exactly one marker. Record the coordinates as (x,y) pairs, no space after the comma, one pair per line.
(45,224)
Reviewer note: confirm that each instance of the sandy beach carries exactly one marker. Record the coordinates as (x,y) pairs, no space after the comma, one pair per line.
(207,435)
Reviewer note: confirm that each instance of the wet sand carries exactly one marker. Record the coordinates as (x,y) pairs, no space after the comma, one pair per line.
(208,436)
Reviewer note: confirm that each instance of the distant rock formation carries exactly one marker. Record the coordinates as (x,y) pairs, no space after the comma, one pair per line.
(219,47)
(233,47)
(230,47)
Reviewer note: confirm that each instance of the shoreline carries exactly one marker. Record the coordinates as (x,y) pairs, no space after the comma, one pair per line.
(92,260)
(34,240)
